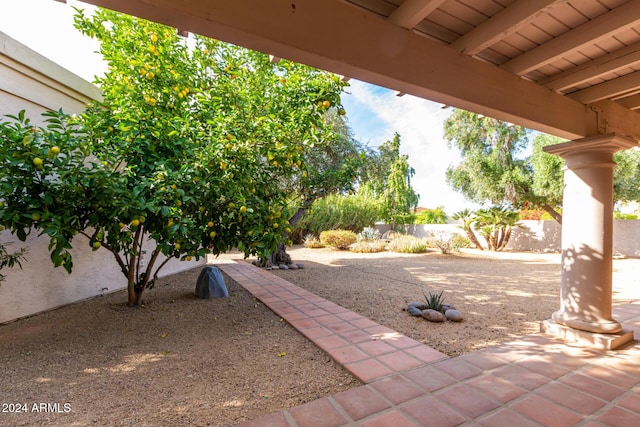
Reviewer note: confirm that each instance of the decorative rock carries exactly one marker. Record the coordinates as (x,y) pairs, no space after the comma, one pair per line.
(414,311)
(283,267)
(432,315)
(211,284)
(300,265)
(453,315)
(293,267)
(445,307)
(418,305)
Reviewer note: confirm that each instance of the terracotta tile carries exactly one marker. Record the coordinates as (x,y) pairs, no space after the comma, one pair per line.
(335,309)
(499,389)
(546,412)
(399,361)
(401,342)
(327,319)
(361,402)
(348,354)
(376,348)
(618,417)
(520,377)
(544,367)
(363,323)
(303,323)
(356,336)
(383,333)
(425,353)
(429,411)
(593,386)
(349,315)
(317,312)
(506,418)
(273,420)
(482,360)
(615,377)
(571,398)
(467,400)
(368,370)
(458,369)
(317,332)
(430,378)
(397,389)
(631,402)
(319,413)
(330,342)
(341,327)
(388,419)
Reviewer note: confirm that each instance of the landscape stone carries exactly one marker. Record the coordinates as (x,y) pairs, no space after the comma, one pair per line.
(432,315)
(293,267)
(418,305)
(300,265)
(283,267)
(453,315)
(414,311)
(210,284)
(446,307)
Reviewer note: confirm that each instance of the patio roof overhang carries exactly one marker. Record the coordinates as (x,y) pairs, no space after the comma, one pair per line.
(571,69)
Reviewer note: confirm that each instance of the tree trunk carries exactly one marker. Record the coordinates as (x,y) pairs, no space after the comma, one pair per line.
(555,215)
(474,239)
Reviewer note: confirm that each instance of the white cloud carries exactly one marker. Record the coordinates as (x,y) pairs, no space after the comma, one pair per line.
(376,113)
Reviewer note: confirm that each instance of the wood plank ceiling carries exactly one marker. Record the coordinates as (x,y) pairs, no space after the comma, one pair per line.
(571,68)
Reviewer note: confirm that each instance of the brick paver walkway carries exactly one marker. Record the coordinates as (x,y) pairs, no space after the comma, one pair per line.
(534,381)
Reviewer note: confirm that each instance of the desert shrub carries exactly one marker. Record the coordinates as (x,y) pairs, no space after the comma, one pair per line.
(368,234)
(620,215)
(312,242)
(368,246)
(338,212)
(407,244)
(339,239)
(434,301)
(447,242)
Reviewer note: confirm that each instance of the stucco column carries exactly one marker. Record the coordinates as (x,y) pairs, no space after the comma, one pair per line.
(587,232)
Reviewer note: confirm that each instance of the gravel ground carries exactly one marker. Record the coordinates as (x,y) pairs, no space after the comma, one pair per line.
(182,361)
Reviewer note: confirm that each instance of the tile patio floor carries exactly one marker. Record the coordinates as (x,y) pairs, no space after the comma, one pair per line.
(534,381)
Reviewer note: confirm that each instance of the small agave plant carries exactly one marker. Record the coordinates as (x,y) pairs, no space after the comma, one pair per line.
(434,300)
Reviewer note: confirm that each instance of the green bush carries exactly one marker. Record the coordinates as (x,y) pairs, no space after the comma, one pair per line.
(337,212)
(432,216)
(368,246)
(407,244)
(620,215)
(339,239)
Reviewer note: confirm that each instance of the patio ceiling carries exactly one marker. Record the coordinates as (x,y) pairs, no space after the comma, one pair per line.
(570,68)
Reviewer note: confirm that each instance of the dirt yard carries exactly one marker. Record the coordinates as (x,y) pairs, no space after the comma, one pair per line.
(183,361)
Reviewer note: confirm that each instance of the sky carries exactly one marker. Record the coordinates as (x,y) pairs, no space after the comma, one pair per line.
(374,113)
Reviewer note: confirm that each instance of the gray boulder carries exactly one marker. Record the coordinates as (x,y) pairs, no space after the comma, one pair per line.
(446,307)
(418,305)
(293,266)
(414,311)
(433,315)
(211,284)
(453,315)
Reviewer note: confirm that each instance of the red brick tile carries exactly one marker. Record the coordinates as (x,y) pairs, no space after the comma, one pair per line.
(499,389)
(458,369)
(520,377)
(341,327)
(368,370)
(546,412)
(363,323)
(482,360)
(348,354)
(304,323)
(319,413)
(506,418)
(618,417)
(327,319)
(593,386)
(399,361)
(430,378)
(402,342)
(349,315)
(318,332)
(317,312)
(631,402)
(467,400)
(330,342)
(429,411)
(425,353)
(356,336)
(612,376)
(388,419)
(544,367)
(361,402)
(571,398)
(397,389)
(376,348)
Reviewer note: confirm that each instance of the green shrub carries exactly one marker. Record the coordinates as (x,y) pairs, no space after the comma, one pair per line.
(339,239)
(312,242)
(407,244)
(337,212)
(434,301)
(432,216)
(447,242)
(620,215)
(368,246)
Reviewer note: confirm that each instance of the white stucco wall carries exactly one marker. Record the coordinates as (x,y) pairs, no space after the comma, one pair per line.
(30,82)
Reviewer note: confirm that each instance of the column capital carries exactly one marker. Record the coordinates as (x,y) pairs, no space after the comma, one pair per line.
(606,143)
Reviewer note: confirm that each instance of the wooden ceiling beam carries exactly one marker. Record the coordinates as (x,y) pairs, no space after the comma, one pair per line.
(502,24)
(608,89)
(411,12)
(615,21)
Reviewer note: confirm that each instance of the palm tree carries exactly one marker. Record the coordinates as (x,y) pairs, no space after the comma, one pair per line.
(496,224)
(468,219)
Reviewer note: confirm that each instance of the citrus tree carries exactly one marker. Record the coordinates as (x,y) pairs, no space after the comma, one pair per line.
(179,159)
